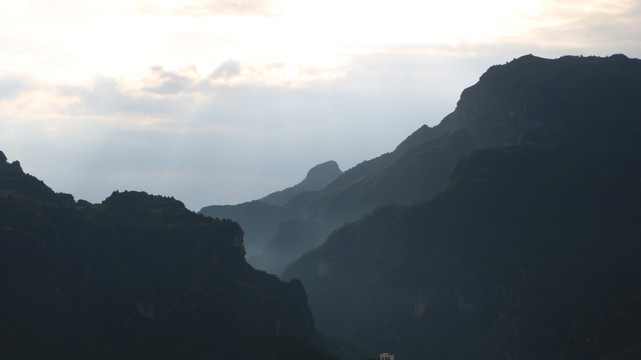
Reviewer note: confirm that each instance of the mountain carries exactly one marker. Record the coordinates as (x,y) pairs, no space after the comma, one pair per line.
(137,276)
(420,165)
(257,218)
(261,219)
(528,251)
(317,178)
(415,170)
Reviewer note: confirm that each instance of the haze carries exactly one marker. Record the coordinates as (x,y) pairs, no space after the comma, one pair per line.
(220,102)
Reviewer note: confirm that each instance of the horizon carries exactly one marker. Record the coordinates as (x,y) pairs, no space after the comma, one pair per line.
(219,102)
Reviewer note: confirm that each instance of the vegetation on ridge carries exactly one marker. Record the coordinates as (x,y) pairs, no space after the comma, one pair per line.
(137,276)
(528,251)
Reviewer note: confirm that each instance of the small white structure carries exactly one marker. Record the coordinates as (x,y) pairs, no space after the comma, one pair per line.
(387,356)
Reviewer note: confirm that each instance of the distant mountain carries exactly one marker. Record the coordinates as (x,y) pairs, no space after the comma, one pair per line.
(420,165)
(414,171)
(257,218)
(528,252)
(261,218)
(136,277)
(317,178)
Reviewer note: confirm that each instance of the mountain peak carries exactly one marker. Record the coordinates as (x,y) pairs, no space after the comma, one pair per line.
(323,173)
(317,177)
(534,89)
(4,163)
(543,149)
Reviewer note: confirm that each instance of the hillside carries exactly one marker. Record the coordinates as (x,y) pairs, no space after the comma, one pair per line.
(528,252)
(136,277)
(512,103)
(259,218)
(414,171)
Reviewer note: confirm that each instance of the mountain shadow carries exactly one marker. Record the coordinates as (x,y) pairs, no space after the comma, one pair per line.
(528,252)
(136,277)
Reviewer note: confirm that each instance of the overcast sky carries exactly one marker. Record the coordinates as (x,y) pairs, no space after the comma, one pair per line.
(221,102)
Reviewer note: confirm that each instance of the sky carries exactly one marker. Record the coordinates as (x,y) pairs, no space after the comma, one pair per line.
(225,101)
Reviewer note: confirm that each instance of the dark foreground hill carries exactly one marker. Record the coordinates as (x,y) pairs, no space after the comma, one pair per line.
(530,251)
(136,277)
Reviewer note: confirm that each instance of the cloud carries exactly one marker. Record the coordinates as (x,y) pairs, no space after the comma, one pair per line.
(586,26)
(226,7)
(12,85)
(109,97)
(188,80)
(173,82)
(204,8)
(226,70)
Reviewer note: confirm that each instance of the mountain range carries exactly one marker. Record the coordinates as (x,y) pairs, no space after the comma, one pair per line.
(529,248)
(511,230)
(511,101)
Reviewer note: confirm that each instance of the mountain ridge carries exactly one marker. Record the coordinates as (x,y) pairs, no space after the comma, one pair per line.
(526,251)
(137,276)
(260,218)
(317,177)
(419,166)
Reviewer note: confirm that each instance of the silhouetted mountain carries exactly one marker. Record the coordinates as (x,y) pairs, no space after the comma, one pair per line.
(317,178)
(529,251)
(420,165)
(414,171)
(257,218)
(260,219)
(136,277)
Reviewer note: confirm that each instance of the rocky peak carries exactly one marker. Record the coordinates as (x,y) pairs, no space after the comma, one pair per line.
(4,163)
(323,174)
(317,178)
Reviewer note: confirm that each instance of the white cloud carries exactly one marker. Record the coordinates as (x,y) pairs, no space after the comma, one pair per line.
(243,105)
(226,70)
(203,8)
(12,85)
(105,96)
(585,26)
(173,82)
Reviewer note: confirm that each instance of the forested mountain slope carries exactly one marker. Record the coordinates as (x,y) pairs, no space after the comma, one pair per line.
(136,277)
(530,250)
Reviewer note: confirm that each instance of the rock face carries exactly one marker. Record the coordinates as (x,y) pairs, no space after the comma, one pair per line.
(525,253)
